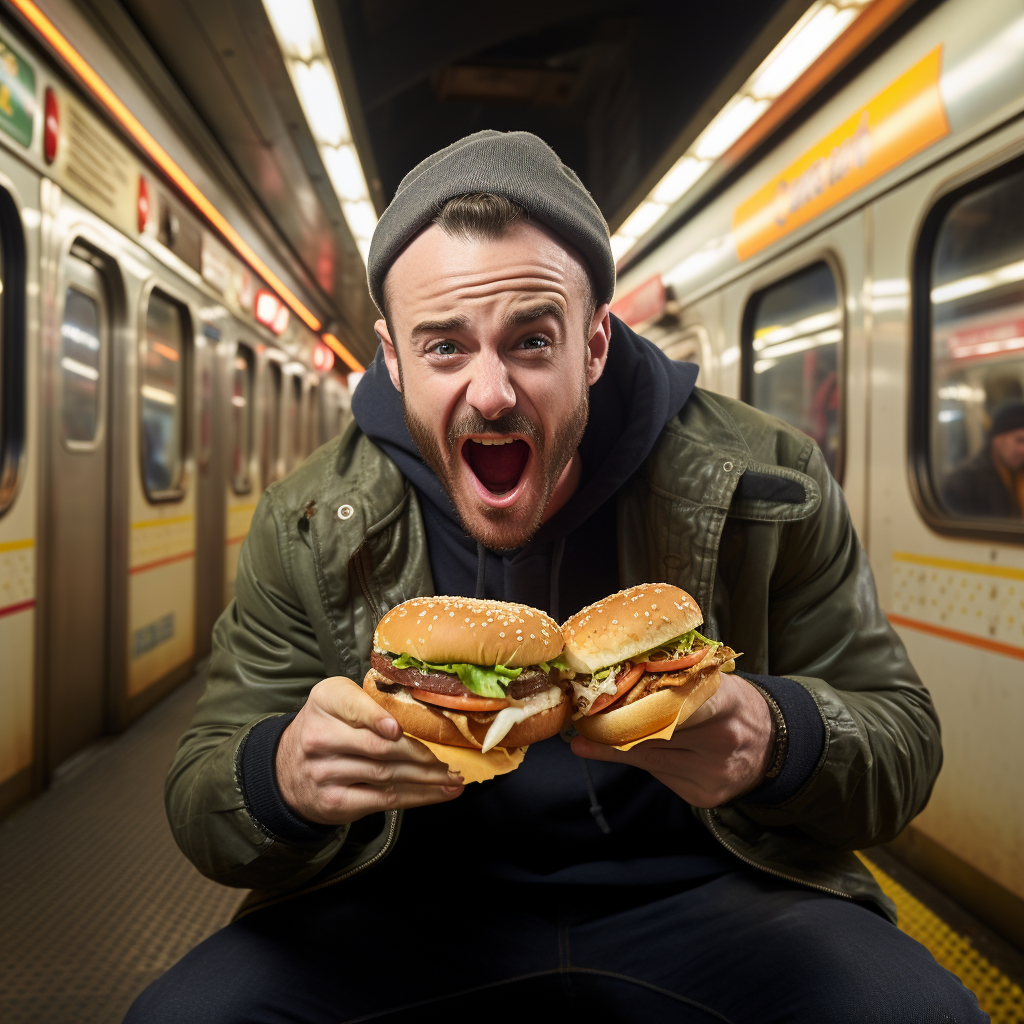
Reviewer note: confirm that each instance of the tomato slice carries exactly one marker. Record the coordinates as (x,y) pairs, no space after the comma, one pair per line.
(622,684)
(675,664)
(460,703)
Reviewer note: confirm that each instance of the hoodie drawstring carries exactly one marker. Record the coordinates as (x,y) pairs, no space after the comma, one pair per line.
(596,810)
(556,571)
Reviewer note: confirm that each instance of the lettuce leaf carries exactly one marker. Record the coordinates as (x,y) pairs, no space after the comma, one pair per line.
(484,681)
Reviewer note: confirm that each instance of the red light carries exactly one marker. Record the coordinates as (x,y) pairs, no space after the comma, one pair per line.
(270,311)
(51,126)
(143,208)
(323,357)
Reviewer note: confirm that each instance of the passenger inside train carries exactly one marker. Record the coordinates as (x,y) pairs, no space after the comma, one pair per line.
(992,482)
(493,273)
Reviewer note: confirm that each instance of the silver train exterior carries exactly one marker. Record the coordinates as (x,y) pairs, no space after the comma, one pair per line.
(143,409)
(862,279)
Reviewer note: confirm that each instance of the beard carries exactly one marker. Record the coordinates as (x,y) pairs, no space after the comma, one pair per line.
(501,529)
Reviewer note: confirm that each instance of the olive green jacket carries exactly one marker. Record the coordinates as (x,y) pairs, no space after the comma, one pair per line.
(341,540)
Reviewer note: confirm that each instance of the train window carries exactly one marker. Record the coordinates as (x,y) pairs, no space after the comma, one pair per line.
(272,424)
(975,353)
(241,419)
(296,453)
(12,349)
(163,397)
(792,358)
(313,420)
(81,337)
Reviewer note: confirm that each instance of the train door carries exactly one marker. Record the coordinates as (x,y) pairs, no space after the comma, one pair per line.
(209,488)
(80,471)
(803,357)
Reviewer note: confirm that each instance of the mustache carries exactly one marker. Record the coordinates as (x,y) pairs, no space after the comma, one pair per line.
(472,422)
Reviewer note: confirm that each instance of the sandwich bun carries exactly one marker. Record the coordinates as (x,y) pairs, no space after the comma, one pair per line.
(465,629)
(626,624)
(430,723)
(649,714)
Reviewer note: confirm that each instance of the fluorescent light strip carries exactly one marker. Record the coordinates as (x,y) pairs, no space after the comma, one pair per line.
(821,25)
(106,96)
(302,46)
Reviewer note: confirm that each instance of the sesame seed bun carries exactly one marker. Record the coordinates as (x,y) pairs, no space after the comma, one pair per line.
(432,724)
(465,629)
(626,624)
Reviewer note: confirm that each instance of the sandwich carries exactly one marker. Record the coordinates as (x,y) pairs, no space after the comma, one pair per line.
(469,673)
(637,662)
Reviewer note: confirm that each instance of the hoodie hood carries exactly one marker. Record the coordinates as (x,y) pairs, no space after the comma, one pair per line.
(640,391)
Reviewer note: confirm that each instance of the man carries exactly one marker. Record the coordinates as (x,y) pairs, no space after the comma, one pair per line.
(674,882)
(991,483)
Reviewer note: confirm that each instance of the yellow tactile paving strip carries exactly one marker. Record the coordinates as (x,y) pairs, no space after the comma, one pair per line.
(999,997)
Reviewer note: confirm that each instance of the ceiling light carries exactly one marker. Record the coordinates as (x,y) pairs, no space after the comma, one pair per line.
(684,173)
(321,101)
(735,118)
(305,56)
(822,23)
(345,172)
(644,217)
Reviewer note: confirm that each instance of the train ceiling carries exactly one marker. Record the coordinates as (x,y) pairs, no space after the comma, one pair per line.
(617,87)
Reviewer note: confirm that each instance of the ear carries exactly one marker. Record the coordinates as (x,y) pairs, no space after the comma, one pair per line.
(390,355)
(597,345)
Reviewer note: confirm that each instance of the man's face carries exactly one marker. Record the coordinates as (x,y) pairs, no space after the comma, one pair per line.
(494,345)
(1009,449)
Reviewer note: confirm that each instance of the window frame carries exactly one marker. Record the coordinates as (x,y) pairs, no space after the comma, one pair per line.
(831,259)
(13,354)
(160,288)
(272,365)
(919,383)
(250,359)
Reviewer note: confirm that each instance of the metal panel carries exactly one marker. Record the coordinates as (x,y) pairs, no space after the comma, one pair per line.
(76,624)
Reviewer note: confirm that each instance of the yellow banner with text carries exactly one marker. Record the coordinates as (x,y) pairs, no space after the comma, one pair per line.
(907,116)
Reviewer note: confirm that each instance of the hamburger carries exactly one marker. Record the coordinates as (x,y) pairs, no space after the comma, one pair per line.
(635,658)
(469,673)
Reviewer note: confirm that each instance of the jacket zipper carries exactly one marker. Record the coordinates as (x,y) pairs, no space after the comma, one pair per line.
(708,818)
(379,855)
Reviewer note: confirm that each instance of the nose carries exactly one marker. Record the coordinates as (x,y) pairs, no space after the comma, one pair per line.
(490,390)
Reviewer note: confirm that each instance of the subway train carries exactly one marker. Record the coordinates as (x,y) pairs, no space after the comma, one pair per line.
(152,384)
(863,279)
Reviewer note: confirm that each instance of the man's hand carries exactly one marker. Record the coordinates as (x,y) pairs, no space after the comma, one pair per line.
(720,753)
(344,757)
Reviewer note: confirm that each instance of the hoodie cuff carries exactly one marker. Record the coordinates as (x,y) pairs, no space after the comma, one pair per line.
(262,794)
(806,736)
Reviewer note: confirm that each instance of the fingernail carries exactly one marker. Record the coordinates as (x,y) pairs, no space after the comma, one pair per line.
(452,789)
(389,728)
(455,777)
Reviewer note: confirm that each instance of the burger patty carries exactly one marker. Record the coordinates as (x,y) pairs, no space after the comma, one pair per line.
(530,680)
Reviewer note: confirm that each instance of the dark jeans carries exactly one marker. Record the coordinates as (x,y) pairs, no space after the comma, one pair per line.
(741,947)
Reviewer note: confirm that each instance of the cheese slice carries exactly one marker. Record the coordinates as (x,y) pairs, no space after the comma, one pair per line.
(473,765)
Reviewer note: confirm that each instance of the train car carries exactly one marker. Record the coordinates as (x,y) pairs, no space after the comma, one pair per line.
(863,279)
(152,383)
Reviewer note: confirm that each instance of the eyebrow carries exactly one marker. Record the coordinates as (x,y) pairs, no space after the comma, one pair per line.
(453,323)
(532,313)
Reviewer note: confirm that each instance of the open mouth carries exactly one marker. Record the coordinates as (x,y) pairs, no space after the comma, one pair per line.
(497,462)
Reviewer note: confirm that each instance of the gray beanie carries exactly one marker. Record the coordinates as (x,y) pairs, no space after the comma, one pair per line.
(516,165)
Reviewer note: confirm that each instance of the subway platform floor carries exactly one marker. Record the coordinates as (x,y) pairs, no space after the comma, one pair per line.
(96,900)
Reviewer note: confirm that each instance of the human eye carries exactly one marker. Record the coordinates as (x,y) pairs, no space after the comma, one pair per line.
(444,348)
(534,342)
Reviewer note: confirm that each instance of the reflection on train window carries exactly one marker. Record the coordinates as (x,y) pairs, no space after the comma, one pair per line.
(80,366)
(241,420)
(792,356)
(163,396)
(272,424)
(295,422)
(313,420)
(977,354)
